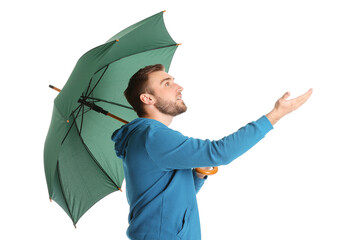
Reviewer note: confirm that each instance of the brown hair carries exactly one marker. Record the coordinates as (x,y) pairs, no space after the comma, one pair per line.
(138,85)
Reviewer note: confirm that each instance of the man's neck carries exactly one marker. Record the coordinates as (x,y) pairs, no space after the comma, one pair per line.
(163,118)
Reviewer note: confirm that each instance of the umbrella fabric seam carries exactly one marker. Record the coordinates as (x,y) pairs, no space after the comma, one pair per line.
(172,45)
(93,158)
(62,191)
(56,107)
(107,43)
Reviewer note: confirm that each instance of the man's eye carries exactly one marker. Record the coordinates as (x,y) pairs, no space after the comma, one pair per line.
(167,84)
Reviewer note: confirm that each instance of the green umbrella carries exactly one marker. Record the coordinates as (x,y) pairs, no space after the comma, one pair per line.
(81,166)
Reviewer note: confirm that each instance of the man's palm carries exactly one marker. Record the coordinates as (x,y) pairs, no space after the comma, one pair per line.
(286,106)
(283,106)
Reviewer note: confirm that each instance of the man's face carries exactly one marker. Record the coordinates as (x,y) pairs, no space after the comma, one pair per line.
(167,93)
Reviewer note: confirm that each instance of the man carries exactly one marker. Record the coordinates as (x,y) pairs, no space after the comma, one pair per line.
(161,184)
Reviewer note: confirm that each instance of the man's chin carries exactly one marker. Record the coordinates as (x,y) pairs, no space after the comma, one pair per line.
(171,108)
(183,109)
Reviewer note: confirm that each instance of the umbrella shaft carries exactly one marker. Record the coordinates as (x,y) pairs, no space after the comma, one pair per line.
(100,110)
(117,118)
(94,107)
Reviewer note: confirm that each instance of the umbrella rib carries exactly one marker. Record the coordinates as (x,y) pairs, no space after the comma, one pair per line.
(82,118)
(74,120)
(88,86)
(96,82)
(94,159)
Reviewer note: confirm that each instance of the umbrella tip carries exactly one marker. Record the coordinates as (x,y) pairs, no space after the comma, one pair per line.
(75,226)
(50,199)
(164,10)
(120,189)
(117,40)
(178,44)
(55,88)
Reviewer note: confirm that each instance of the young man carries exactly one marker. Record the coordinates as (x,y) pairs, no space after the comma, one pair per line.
(161,184)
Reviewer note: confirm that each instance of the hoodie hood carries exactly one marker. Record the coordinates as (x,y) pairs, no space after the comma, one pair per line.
(121,135)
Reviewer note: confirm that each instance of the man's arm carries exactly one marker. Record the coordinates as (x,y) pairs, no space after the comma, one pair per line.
(171,150)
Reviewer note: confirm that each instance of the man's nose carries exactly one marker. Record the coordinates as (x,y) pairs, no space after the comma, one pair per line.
(179,88)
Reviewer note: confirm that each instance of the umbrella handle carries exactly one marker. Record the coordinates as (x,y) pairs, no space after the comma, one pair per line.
(207,172)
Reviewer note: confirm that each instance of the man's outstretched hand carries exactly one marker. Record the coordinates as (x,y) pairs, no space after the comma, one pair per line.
(284,106)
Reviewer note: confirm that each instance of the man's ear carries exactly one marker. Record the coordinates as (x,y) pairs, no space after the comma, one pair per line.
(147,98)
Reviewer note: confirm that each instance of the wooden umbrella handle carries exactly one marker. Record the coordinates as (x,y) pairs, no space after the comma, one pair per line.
(207,172)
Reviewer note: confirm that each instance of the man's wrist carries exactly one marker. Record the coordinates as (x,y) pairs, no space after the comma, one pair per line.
(273,116)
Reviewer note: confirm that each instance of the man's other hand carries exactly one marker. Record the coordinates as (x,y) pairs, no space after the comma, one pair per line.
(200,175)
(283,106)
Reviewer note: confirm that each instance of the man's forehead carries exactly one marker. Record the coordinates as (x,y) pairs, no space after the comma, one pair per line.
(159,76)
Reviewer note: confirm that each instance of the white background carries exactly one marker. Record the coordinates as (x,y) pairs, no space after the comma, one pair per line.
(236,59)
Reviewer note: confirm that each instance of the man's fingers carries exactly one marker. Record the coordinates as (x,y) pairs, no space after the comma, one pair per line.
(302,99)
(285,96)
(305,96)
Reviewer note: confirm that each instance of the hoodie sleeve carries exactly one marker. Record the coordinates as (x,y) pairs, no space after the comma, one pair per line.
(170,150)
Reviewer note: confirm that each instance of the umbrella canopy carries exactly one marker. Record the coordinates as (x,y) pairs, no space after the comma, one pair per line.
(81,166)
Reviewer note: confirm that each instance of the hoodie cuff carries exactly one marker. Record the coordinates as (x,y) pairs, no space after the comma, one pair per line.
(264,124)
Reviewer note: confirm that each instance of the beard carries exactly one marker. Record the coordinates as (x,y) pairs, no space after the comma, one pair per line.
(172,108)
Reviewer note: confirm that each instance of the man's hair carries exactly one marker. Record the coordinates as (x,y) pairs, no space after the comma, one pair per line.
(138,84)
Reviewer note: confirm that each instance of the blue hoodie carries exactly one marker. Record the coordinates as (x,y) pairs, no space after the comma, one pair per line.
(161,185)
